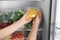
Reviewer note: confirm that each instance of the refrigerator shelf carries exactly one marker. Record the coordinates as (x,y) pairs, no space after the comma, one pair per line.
(29,30)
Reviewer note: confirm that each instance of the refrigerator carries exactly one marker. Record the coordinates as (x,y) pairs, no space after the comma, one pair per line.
(46,6)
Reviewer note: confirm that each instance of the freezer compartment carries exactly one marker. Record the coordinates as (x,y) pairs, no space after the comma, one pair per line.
(44,6)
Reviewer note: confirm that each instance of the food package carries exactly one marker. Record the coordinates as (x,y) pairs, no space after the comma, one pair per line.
(33,12)
(16,36)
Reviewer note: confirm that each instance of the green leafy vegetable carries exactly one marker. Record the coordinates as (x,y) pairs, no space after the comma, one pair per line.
(13,16)
(16,15)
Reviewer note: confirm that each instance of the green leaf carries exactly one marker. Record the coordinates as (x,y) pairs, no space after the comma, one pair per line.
(0,18)
(29,25)
(4,18)
(21,11)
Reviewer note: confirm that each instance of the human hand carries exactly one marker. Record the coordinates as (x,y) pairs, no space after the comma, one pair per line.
(24,19)
(36,21)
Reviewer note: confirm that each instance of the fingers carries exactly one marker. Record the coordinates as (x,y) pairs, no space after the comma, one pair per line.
(28,16)
(36,21)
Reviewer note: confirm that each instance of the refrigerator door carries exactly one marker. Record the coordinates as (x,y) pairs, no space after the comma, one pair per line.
(43,5)
(53,19)
(57,22)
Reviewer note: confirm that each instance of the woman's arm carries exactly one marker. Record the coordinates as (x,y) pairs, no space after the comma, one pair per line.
(12,28)
(34,30)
